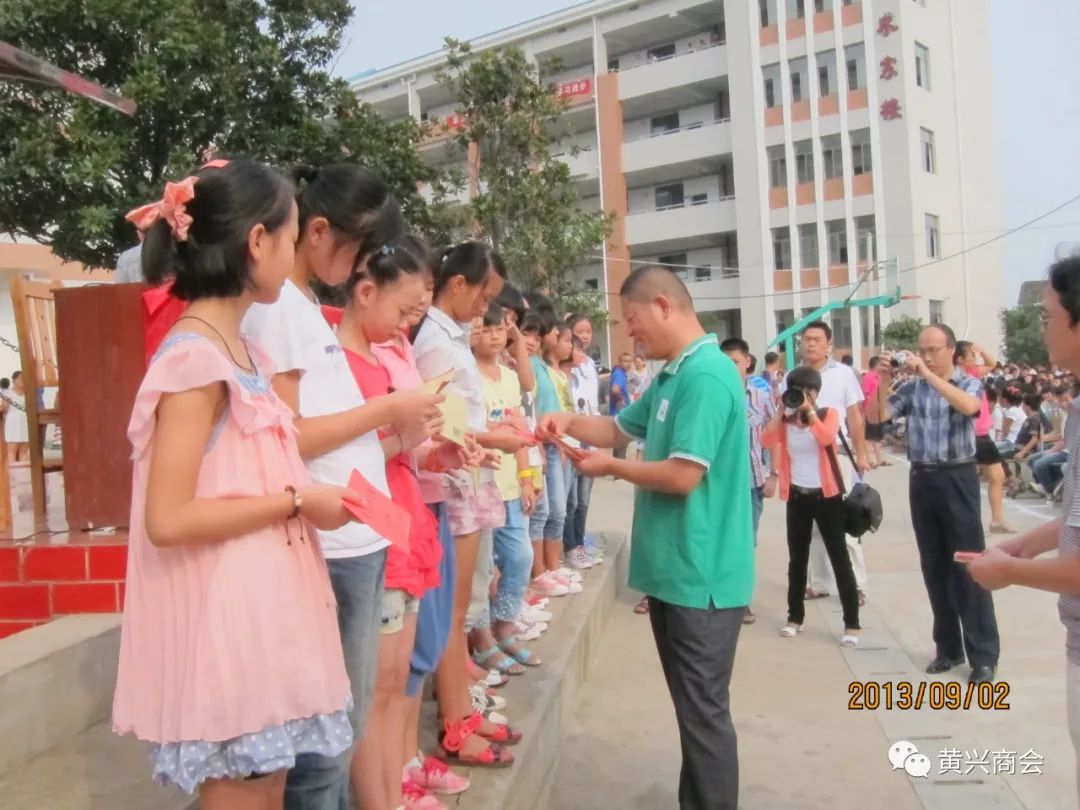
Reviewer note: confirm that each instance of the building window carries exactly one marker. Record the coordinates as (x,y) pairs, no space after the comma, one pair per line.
(770,92)
(796,87)
(785,319)
(933,237)
(703,273)
(865,244)
(727,187)
(781,246)
(832,157)
(929,160)
(808,246)
(661,52)
(937,311)
(852,74)
(699,199)
(821,6)
(723,106)
(669,196)
(592,284)
(613,65)
(860,158)
(855,63)
(837,233)
(765,10)
(804,162)
(841,326)
(777,168)
(824,87)
(675,262)
(662,124)
(922,66)
(800,9)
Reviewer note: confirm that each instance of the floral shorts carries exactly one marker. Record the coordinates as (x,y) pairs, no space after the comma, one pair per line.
(396,605)
(473,505)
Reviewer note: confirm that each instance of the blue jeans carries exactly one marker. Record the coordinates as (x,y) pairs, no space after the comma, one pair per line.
(322,783)
(578,493)
(757,504)
(1046,468)
(549,525)
(514,557)
(436,612)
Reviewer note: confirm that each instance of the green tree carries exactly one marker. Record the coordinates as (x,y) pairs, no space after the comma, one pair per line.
(239,77)
(527,205)
(902,333)
(1023,342)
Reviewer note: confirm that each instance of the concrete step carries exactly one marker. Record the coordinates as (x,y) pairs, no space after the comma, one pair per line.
(56,681)
(65,685)
(94,770)
(541,703)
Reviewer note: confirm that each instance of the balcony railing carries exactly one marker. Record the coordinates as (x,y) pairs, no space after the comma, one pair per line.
(689,202)
(655,60)
(691,274)
(684,128)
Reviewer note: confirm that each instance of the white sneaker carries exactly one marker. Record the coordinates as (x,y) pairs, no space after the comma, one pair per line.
(539,604)
(577,560)
(569,574)
(550,585)
(527,632)
(532,615)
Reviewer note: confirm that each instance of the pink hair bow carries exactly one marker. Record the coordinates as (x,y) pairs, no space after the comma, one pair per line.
(171,208)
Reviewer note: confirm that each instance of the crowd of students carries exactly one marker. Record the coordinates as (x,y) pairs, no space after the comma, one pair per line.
(275,647)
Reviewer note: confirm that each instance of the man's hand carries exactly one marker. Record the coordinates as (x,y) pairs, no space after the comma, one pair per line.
(594,464)
(553,425)
(862,464)
(991,569)
(915,364)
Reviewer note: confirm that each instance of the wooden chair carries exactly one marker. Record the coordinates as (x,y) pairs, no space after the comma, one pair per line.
(35,322)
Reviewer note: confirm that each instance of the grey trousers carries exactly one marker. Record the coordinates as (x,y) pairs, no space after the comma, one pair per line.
(697,653)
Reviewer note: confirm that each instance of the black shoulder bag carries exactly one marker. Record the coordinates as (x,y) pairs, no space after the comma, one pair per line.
(862,505)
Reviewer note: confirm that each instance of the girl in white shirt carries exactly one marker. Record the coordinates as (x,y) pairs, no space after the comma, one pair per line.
(468,280)
(346,214)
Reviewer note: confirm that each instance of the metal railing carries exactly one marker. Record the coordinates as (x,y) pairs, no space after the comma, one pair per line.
(689,202)
(655,60)
(684,128)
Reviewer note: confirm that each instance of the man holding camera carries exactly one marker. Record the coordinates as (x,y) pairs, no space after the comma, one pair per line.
(941,405)
(841,391)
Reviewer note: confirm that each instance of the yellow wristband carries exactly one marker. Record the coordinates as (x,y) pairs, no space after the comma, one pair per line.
(526,475)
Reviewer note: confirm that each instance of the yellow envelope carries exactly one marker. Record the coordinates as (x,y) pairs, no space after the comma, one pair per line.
(434,385)
(455,411)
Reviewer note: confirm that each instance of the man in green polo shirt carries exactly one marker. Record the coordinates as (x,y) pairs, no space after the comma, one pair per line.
(692,547)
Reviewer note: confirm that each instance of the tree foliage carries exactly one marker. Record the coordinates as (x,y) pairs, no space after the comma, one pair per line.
(236,77)
(902,333)
(527,205)
(1023,342)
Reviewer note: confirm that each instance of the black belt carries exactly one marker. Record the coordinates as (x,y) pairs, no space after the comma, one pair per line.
(931,466)
(797,490)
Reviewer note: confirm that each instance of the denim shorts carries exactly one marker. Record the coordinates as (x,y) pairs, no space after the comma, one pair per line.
(396,605)
(316,781)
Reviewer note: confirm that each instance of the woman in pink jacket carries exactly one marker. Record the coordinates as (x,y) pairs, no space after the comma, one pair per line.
(803,441)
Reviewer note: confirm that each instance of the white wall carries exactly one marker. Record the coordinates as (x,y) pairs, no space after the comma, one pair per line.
(641,127)
(644,199)
(683,45)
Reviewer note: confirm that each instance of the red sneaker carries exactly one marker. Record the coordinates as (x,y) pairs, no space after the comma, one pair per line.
(434,776)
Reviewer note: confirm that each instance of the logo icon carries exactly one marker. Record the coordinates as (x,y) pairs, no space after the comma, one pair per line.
(903,754)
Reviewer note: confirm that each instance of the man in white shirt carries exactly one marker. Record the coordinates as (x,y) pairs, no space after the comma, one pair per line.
(588,386)
(840,390)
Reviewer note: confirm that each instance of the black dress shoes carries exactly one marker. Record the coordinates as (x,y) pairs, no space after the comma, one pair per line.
(941,664)
(981,675)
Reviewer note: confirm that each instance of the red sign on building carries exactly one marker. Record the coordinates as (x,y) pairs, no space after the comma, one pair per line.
(575,87)
(888,68)
(886,25)
(454,122)
(890,109)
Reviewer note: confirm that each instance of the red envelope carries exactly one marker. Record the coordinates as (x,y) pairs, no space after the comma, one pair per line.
(379,512)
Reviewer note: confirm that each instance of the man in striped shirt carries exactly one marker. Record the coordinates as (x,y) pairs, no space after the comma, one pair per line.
(1014,562)
(941,405)
(759,410)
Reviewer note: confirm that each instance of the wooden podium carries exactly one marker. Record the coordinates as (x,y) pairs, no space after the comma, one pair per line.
(99,345)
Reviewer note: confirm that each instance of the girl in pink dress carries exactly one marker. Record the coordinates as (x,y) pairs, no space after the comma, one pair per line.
(230,658)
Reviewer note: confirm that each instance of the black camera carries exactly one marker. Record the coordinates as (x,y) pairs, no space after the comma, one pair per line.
(793,398)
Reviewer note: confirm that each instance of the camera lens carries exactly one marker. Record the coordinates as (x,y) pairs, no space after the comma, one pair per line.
(894,362)
(793,397)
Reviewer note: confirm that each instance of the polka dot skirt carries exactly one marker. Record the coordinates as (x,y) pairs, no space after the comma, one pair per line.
(188,764)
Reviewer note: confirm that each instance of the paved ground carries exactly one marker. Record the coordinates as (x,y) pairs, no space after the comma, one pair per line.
(800,745)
